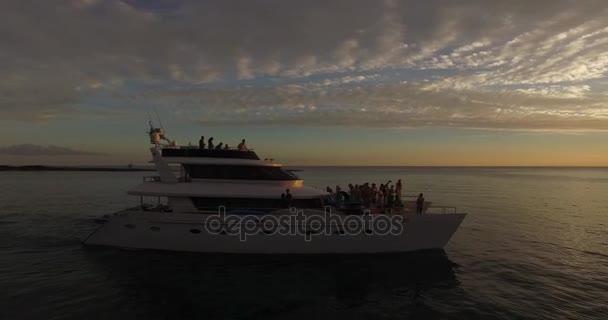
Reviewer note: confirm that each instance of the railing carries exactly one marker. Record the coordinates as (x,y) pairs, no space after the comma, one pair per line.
(193,147)
(444,209)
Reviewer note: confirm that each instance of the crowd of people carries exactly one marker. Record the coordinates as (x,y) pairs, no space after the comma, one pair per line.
(371,195)
(374,196)
(220,146)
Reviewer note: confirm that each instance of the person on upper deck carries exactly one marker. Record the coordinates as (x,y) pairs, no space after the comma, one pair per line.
(201,143)
(219,146)
(210,143)
(242,146)
(226,147)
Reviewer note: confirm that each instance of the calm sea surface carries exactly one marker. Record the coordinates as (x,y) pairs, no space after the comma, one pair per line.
(534,246)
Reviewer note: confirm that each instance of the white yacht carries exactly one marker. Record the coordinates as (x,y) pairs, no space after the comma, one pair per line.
(231,201)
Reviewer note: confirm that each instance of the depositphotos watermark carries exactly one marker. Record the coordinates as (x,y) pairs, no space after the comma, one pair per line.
(306,225)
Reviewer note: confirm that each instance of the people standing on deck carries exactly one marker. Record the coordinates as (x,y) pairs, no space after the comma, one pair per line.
(398,189)
(381,197)
(210,143)
(338,195)
(384,188)
(330,197)
(288,198)
(284,203)
(420,204)
(374,194)
(388,184)
(365,194)
(390,197)
(384,194)
(226,147)
(219,146)
(242,146)
(329,190)
(201,143)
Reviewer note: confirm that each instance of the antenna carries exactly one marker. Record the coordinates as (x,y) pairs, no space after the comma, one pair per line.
(150,121)
(159,122)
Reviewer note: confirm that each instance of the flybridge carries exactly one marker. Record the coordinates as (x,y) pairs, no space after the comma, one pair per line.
(171,149)
(209,153)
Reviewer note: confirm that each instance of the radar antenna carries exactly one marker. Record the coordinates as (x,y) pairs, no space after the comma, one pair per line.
(157,117)
(150,122)
(156,134)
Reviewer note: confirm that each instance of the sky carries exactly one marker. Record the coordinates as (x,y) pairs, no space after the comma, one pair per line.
(316,82)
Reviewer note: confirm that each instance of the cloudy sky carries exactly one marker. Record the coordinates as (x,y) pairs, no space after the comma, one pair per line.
(308,82)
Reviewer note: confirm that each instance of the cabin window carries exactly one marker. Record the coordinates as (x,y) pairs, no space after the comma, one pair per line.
(209,153)
(238,172)
(252,203)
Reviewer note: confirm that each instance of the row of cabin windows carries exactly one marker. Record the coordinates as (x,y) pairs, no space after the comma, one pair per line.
(194,152)
(197,231)
(238,172)
(254,203)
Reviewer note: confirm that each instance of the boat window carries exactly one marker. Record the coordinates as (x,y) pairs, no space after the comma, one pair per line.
(238,172)
(209,153)
(252,203)
(195,230)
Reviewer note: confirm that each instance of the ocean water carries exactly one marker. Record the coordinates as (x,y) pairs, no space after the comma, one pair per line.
(534,246)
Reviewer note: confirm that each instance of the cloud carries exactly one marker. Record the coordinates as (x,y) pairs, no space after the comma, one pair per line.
(387,105)
(558,91)
(37,150)
(341,62)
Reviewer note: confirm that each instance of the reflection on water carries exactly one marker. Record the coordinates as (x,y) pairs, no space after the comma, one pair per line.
(533,246)
(193,285)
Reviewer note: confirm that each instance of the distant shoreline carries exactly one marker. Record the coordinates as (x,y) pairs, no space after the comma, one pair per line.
(289,168)
(69,168)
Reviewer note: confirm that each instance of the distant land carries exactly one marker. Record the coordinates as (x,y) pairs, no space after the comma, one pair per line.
(70,168)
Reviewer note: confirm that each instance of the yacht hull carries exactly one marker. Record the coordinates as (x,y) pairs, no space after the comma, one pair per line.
(182,232)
